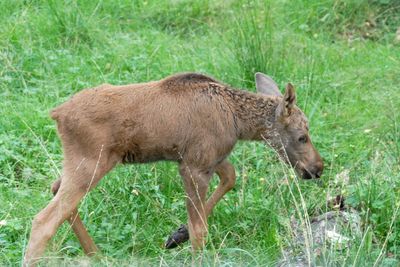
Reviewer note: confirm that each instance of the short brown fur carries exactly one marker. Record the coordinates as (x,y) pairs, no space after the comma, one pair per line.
(189,118)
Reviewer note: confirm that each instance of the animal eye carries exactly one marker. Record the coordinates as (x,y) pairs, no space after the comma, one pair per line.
(303,139)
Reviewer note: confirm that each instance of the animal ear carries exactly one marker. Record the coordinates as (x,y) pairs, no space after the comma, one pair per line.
(266,85)
(288,101)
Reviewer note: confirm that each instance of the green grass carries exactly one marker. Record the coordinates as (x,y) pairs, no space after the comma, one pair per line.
(341,56)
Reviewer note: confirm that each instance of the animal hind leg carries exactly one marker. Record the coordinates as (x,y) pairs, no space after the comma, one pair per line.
(227,179)
(89,247)
(77,180)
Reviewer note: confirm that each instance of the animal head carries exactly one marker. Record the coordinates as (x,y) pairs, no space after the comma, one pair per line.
(290,130)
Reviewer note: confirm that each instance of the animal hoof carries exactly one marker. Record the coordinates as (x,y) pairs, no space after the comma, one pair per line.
(179,237)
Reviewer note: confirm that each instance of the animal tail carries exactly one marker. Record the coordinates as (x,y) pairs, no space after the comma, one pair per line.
(55,113)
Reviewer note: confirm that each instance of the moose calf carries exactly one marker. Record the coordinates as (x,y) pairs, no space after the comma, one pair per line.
(188,118)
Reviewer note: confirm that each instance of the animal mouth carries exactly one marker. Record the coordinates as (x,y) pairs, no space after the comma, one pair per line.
(307,175)
(304,172)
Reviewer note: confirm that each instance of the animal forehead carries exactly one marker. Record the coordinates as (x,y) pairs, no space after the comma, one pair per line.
(300,121)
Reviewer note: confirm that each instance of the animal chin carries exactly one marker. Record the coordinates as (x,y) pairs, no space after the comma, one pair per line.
(303,172)
(307,175)
(300,170)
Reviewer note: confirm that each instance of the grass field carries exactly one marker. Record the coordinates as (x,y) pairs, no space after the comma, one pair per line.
(341,55)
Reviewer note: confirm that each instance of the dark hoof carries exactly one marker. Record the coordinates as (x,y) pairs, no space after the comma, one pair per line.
(179,237)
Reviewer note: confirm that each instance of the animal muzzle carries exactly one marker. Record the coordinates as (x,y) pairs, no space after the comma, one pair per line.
(314,171)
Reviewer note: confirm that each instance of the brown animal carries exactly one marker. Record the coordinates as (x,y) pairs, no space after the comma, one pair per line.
(188,118)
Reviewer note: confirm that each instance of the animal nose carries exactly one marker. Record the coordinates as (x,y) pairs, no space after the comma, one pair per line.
(318,169)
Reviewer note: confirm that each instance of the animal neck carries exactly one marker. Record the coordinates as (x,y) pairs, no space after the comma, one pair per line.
(254,113)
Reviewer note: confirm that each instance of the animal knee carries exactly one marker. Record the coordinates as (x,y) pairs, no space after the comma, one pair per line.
(55,186)
(230,183)
(39,229)
(38,222)
(229,177)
